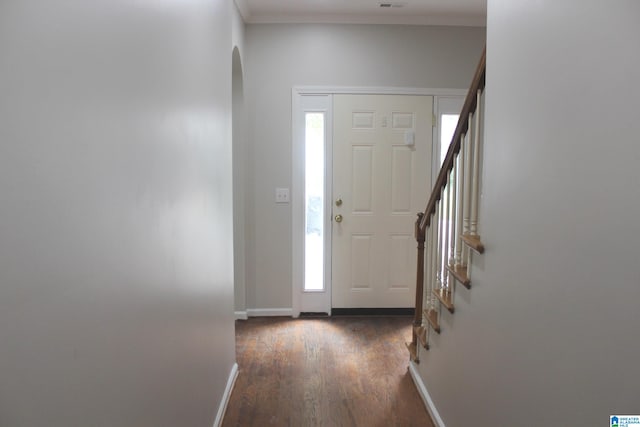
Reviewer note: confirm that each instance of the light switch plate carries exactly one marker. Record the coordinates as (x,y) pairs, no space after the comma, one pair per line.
(282,195)
(409,138)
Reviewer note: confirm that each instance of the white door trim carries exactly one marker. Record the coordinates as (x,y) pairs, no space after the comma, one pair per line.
(297,170)
(333,90)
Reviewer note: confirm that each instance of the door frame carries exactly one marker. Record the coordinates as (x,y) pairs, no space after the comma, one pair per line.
(299,296)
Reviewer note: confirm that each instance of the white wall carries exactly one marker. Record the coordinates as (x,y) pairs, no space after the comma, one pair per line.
(548,333)
(282,56)
(115,212)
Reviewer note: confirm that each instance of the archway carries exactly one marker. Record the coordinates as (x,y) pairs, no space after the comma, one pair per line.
(240,173)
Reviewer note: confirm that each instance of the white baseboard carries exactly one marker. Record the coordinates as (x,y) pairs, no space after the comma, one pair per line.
(227,394)
(424,394)
(260,312)
(240,315)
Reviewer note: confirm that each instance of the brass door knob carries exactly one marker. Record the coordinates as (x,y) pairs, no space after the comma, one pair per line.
(338,218)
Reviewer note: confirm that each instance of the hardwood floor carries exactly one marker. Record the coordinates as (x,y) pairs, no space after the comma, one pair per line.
(339,371)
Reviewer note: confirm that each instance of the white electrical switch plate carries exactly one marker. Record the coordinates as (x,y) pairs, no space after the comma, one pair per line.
(409,137)
(282,195)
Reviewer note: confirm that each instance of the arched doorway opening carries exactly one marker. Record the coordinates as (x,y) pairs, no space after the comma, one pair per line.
(240,179)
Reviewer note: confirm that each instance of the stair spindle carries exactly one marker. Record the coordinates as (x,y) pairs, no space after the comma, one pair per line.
(434,258)
(447,235)
(441,242)
(466,185)
(453,220)
(459,205)
(473,228)
(428,271)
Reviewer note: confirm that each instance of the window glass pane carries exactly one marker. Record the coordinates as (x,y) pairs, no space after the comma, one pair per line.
(448,125)
(314,201)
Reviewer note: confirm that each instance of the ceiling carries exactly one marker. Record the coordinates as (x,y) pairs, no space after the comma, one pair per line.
(413,12)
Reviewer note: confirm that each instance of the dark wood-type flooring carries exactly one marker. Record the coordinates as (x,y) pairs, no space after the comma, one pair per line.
(339,371)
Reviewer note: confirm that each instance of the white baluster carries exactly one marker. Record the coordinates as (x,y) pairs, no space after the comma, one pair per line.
(448,254)
(466,184)
(460,204)
(454,212)
(434,256)
(473,225)
(438,230)
(442,244)
(452,220)
(426,290)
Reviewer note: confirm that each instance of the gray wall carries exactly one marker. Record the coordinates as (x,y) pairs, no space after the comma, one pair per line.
(282,56)
(548,333)
(115,212)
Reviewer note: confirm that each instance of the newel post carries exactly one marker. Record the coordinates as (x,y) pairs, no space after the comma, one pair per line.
(417,319)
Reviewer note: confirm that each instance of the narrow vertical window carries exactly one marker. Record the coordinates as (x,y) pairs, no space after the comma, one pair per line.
(448,127)
(314,201)
(448,123)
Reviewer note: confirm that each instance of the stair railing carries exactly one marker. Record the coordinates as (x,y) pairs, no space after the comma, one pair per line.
(447,230)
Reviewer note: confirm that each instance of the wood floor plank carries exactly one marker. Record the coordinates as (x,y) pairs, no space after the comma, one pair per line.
(338,371)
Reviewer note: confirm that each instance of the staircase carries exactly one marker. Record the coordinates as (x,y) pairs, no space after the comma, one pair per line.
(447,230)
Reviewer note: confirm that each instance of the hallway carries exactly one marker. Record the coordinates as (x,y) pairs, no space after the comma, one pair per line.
(339,371)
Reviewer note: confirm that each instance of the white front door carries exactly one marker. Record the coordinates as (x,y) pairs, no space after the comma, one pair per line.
(382,147)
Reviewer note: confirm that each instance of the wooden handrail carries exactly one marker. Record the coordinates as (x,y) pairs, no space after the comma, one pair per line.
(454,148)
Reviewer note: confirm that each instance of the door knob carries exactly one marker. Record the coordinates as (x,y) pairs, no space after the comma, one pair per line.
(338,218)
(339,202)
